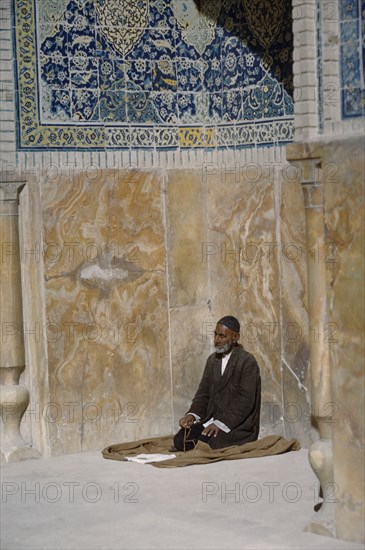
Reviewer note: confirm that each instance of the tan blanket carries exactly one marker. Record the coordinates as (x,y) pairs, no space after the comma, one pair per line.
(203,453)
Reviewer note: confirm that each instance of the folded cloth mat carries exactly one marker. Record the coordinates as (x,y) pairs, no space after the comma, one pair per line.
(202,453)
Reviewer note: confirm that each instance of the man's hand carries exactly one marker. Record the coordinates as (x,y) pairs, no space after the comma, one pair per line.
(211,430)
(187,421)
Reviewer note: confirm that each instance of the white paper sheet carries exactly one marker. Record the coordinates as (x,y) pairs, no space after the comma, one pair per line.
(146,458)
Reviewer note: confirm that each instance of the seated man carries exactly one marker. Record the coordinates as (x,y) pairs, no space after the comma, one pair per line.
(226,408)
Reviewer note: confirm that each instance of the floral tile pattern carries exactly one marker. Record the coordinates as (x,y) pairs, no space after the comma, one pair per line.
(352,55)
(158,73)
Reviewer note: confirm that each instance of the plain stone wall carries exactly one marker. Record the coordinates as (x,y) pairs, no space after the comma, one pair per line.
(125,275)
(344,222)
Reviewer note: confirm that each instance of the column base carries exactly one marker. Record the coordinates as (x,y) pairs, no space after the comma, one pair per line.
(23,452)
(323,521)
(320,458)
(321,526)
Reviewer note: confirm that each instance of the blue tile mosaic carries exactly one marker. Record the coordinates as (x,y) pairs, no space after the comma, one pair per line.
(158,73)
(349,9)
(352,70)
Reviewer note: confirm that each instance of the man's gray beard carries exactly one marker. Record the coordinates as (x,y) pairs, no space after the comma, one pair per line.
(223,349)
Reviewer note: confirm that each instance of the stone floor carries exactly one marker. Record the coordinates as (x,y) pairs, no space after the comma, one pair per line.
(82,501)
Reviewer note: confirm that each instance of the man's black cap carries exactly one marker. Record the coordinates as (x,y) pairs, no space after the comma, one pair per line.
(230,322)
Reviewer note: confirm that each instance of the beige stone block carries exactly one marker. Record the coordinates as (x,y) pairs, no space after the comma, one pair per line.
(244,273)
(316,196)
(294,315)
(338,356)
(344,200)
(11,319)
(348,434)
(297,408)
(36,420)
(106,303)
(187,241)
(191,330)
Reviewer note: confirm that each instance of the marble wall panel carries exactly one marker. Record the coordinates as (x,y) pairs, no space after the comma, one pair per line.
(191,331)
(344,219)
(242,219)
(190,319)
(35,421)
(186,214)
(116,319)
(236,271)
(106,303)
(294,317)
(341,164)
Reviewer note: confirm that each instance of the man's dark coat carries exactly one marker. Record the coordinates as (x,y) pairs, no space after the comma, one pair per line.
(233,398)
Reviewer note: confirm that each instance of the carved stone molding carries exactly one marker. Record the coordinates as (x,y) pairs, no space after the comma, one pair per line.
(14,396)
(320,453)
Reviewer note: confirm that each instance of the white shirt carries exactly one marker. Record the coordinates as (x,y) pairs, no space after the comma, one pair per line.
(225,360)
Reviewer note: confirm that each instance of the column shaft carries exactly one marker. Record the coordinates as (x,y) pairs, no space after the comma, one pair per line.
(14,397)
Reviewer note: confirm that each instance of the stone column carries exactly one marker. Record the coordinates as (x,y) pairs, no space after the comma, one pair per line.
(14,397)
(320,453)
